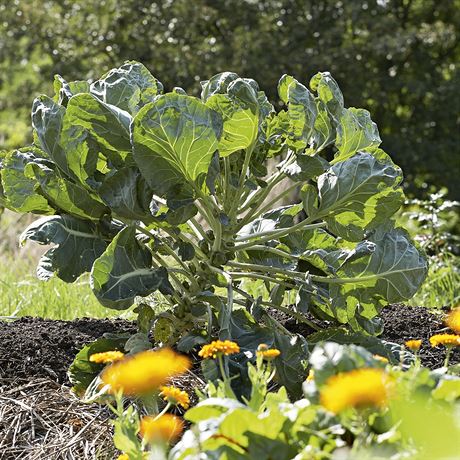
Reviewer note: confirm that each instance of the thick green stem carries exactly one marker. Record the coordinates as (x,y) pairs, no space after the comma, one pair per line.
(236,199)
(262,237)
(225,315)
(259,196)
(259,276)
(268,206)
(198,229)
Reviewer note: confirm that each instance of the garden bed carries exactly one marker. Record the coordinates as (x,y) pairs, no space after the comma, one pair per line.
(38,348)
(41,418)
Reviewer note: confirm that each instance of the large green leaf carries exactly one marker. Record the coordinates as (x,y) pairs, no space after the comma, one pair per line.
(316,246)
(47,120)
(305,167)
(355,131)
(127,194)
(78,245)
(240,114)
(328,92)
(92,129)
(128,87)
(323,130)
(22,192)
(391,272)
(64,90)
(301,110)
(291,368)
(66,196)
(219,84)
(358,194)
(174,139)
(125,271)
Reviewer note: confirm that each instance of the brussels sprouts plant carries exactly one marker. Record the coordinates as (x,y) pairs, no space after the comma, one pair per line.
(161,191)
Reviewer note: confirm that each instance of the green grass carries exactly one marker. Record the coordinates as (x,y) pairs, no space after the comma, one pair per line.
(442,285)
(22,294)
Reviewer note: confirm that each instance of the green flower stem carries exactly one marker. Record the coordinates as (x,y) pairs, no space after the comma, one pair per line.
(163,412)
(220,360)
(448,353)
(262,237)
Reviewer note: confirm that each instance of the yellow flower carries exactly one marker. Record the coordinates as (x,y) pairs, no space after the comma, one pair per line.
(413,345)
(145,371)
(106,357)
(448,340)
(453,320)
(357,388)
(311,375)
(267,353)
(123,457)
(175,396)
(382,359)
(219,347)
(166,428)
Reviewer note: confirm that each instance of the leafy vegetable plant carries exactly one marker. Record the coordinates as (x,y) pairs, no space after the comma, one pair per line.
(152,191)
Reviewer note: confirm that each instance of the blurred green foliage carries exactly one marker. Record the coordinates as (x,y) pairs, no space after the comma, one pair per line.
(397,58)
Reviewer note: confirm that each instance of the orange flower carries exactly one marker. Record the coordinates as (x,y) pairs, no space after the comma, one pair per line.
(144,372)
(448,340)
(357,388)
(106,357)
(175,396)
(219,347)
(453,320)
(166,428)
(267,353)
(413,345)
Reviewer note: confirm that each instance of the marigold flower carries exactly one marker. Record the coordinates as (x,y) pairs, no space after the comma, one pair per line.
(175,396)
(267,353)
(448,340)
(453,320)
(145,371)
(413,345)
(382,359)
(219,347)
(166,428)
(106,357)
(357,388)
(311,375)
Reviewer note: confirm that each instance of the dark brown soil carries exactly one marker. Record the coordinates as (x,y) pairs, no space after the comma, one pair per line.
(34,347)
(403,323)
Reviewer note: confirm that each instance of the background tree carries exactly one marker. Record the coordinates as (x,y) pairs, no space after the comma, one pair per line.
(397,58)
